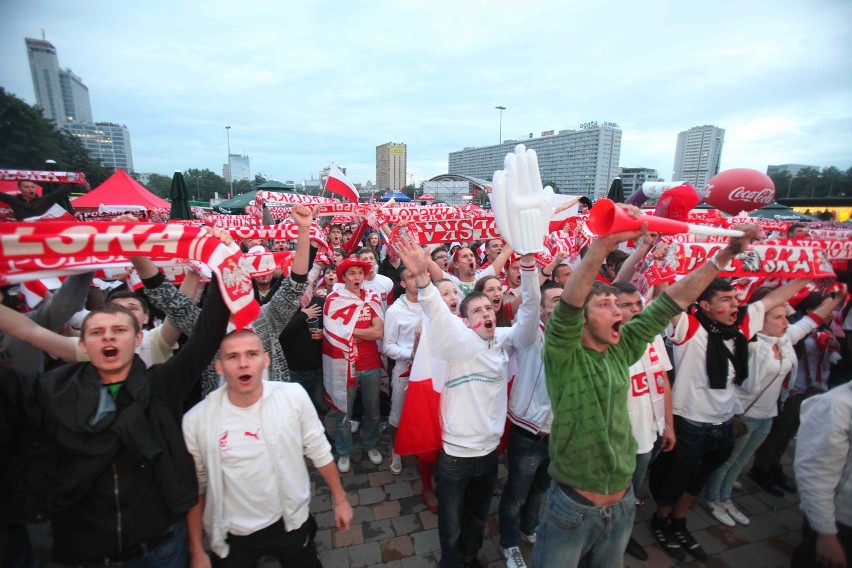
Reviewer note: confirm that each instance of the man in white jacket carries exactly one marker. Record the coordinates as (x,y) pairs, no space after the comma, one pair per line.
(473,400)
(249,439)
(824,473)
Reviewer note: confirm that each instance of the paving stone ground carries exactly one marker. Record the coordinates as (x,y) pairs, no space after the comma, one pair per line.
(393,528)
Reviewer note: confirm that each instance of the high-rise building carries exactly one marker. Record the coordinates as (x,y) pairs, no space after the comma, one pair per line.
(64,98)
(44,67)
(391,166)
(75,98)
(238,166)
(633,178)
(579,162)
(107,142)
(698,154)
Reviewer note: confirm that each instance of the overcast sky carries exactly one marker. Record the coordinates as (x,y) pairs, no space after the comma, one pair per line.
(303,84)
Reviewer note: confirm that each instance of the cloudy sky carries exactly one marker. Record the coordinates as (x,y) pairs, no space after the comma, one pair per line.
(303,84)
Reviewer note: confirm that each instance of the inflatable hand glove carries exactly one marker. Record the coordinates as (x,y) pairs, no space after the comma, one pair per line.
(522,209)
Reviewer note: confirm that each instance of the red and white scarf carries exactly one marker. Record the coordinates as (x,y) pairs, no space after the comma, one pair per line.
(34,250)
(339,351)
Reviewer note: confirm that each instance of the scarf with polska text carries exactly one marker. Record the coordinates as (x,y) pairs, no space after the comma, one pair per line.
(51,245)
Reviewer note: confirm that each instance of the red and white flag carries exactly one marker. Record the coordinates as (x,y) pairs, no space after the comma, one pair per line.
(338,184)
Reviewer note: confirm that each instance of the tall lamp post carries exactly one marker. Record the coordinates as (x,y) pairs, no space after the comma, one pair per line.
(230,173)
(501,109)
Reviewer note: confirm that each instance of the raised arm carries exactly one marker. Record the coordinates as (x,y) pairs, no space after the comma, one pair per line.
(525,329)
(628,267)
(783,293)
(501,259)
(68,300)
(686,291)
(580,282)
(19,326)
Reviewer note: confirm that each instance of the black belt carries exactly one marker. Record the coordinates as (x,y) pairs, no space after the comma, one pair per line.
(141,549)
(541,436)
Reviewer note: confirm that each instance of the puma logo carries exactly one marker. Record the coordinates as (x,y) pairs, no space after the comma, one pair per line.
(255,435)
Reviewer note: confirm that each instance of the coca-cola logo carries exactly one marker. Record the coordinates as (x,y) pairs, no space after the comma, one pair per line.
(763,196)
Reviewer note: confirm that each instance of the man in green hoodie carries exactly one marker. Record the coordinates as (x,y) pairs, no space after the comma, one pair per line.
(590,505)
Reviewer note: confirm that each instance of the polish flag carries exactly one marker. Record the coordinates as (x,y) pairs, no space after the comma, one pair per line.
(419,430)
(337,183)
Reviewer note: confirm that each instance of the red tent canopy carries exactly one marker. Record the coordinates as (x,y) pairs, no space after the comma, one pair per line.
(120,189)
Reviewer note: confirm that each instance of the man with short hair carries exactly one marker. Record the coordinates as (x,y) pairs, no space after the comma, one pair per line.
(473,404)
(382,286)
(401,335)
(27,202)
(335,236)
(249,440)
(531,418)
(587,353)
(493,247)
(119,480)
(441,258)
(711,358)
(562,273)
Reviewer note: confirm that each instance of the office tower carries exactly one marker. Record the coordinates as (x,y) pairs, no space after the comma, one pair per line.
(579,162)
(44,67)
(107,142)
(238,166)
(391,166)
(698,154)
(633,178)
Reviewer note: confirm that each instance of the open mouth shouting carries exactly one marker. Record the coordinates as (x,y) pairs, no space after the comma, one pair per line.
(616,330)
(472,266)
(454,307)
(488,324)
(245,378)
(110,353)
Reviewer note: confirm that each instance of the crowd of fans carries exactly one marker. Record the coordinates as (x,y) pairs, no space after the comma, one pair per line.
(166,425)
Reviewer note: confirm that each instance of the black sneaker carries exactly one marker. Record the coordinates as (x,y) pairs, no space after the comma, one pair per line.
(765,481)
(635,550)
(779,479)
(686,540)
(665,537)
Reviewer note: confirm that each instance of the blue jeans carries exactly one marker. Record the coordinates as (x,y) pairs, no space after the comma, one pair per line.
(465,487)
(720,484)
(642,463)
(311,381)
(525,488)
(370,383)
(571,531)
(172,553)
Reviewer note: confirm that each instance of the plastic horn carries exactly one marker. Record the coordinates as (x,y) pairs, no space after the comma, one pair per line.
(605,219)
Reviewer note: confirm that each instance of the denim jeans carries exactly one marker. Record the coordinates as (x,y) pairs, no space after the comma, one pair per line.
(701,448)
(642,463)
(311,381)
(520,505)
(720,484)
(571,531)
(465,487)
(370,383)
(173,553)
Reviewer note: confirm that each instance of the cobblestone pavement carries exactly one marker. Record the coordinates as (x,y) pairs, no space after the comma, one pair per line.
(393,528)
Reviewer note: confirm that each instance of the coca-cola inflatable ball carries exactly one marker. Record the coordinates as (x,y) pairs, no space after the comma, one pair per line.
(739,189)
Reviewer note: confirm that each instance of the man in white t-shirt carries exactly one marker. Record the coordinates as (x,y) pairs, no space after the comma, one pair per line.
(649,401)
(382,286)
(249,440)
(464,263)
(711,357)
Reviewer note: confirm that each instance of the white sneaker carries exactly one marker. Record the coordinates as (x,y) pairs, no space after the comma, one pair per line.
(353,426)
(735,513)
(375,456)
(719,513)
(528,538)
(395,464)
(514,558)
(343,464)
(737,485)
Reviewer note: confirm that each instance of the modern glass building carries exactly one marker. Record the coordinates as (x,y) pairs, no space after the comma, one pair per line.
(107,142)
(698,154)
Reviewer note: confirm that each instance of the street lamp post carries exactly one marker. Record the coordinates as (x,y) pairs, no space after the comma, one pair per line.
(230,173)
(501,109)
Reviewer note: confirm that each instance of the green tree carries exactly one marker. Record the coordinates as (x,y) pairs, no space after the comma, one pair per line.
(29,139)
(241,186)
(204,184)
(159,185)
(409,190)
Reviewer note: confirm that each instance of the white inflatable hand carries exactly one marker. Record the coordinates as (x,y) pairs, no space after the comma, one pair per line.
(522,209)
